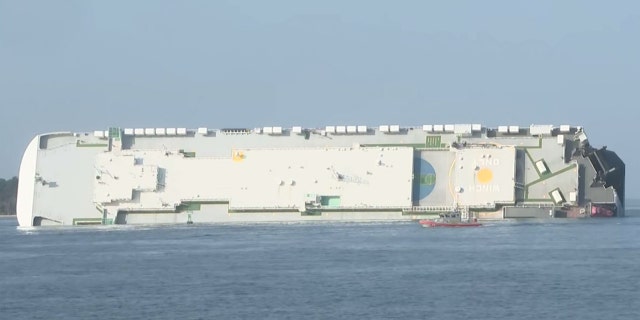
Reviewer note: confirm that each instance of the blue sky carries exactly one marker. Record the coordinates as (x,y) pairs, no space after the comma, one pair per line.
(87,65)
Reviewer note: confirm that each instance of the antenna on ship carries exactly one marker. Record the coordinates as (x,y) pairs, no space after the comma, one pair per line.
(101,171)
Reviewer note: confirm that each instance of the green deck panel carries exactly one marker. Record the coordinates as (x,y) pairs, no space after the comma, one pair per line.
(91,145)
(189,206)
(330,201)
(114,133)
(428,179)
(434,142)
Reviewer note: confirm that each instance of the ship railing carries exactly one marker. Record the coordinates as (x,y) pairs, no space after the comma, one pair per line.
(434,149)
(312,148)
(201,200)
(264,208)
(429,209)
(146,209)
(535,204)
(483,206)
(360,207)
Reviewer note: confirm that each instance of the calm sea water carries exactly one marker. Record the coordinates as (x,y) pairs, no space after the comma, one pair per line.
(561,269)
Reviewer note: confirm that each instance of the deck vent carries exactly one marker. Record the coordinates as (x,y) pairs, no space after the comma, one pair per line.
(541,166)
(557,197)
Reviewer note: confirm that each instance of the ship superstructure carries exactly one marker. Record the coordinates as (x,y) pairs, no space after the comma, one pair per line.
(343,172)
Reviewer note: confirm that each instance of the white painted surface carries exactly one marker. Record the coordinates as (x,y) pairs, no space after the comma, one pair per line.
(540,129)
(261,178)
(26,184)
(486,176)
(462,128)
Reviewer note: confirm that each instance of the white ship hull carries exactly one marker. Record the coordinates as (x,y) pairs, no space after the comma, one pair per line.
(347,173)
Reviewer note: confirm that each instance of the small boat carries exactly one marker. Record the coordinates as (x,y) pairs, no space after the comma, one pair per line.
(451,220)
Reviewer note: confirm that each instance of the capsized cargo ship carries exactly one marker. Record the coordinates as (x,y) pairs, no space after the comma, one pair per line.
(334,173)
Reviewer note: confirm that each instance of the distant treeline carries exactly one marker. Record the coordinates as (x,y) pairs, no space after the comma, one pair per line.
(8,195)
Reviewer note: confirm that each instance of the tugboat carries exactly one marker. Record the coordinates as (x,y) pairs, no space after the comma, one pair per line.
(451,220)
